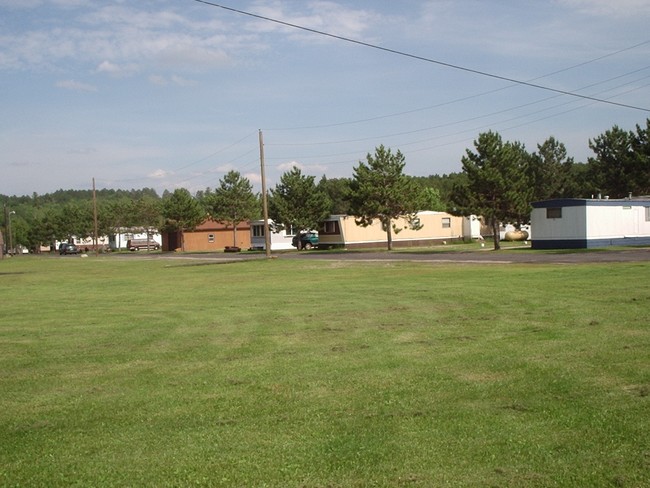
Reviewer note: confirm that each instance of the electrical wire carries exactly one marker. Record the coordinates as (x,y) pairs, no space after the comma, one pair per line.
(423,58)
(469,97)
(447,124)
(215,153)
(512,81)
(474,129)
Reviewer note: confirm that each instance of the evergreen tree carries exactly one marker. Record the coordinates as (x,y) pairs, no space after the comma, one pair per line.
(147,214)
(498,185)
(75,219)
(381,191)
(550,170)
(233,202)
(622,162)
(296,203)
(430,199)
(181,212)
(338,190)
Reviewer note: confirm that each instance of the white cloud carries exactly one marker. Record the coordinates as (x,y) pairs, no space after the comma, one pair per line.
(142,20)
(70,3)
(180,81)
(159,174)
(608,8)
(514,38)
(23,164)
(225,168)
(309,169)
(254,178)
(173,80)
(84,151)
(76,86)
(290,165)
(25,4)
(22,4)
(176,52)
(120,41)
(116,70)
(325,16)
(158,80)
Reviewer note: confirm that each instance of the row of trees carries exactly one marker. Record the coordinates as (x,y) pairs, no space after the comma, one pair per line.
(501,178)
(380,190)
(498,181)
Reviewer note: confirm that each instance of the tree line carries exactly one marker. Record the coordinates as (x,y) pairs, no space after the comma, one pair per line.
(498,181)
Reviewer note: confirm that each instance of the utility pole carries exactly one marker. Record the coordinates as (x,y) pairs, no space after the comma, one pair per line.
(2,238)
(265,205)
(95,220)
(10,249)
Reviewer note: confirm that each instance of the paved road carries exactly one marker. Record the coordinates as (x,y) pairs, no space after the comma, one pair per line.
(491,256)
(506,256)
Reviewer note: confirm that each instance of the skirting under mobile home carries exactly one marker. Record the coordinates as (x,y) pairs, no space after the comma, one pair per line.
(590,223)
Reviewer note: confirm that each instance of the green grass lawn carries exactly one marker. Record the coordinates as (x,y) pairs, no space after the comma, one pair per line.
(287,373)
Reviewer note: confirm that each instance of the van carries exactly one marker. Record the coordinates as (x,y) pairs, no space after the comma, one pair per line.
(68,248)
(137,244)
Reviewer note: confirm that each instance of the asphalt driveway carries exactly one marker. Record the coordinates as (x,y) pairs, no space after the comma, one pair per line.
(483,256)
(506,256)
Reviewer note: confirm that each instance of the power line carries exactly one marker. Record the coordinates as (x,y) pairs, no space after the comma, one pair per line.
(447,124)
(470,97)
(422,58)
(214,153)
(478,128)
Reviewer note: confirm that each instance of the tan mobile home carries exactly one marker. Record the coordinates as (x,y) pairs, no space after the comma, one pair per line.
(343,231)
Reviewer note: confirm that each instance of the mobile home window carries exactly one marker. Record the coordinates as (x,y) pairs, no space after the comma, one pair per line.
(446,222)
(330,227)
(258,231)
(554,213)
(647,214)
(210,237)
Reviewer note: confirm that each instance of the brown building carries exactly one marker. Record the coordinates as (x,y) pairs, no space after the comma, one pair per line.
(209,236)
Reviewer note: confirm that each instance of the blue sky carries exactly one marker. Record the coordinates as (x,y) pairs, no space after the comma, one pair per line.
(172,93)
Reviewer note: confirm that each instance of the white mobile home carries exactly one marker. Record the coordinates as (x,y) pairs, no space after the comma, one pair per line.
(85,244)
(589,223)
(472,227)
(119,240)
(280,240)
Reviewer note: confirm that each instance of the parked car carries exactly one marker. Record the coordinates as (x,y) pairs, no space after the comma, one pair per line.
(138,244)
(308,240)
(68,248)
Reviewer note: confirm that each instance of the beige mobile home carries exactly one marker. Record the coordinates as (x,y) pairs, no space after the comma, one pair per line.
(343,231)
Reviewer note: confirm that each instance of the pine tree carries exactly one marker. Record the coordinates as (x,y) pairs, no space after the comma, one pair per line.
(297,203)
(233,202)
(181,212)
(622,162)
(498,186)
(381,191)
